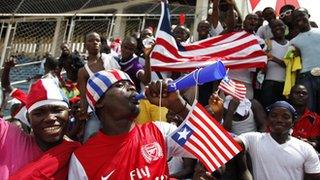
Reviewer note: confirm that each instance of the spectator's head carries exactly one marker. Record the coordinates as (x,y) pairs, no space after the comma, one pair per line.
(285,14)
(181,33)
(48,112)
(304,10)
(301,20)
(148,32)
(92,43)
(65,50)
(203,29)
(269,14)
(112,94)
(261,19)
(299,96)
(250,23)
(52,65)
(278,28)
(281,116)
(128,47)
(75,110)
(312,23)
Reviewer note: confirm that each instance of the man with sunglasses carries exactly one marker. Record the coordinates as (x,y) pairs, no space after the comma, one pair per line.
(286,17)
(306,43)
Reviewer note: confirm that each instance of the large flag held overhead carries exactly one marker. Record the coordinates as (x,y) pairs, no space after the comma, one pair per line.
(236,50)
(205,138)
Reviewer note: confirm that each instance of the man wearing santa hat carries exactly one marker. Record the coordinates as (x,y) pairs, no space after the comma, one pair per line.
(47,150)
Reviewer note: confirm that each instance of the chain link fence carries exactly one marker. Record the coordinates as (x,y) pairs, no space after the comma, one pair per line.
(30,28)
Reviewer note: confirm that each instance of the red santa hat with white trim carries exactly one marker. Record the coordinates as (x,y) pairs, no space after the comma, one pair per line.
(20,97)
(45,91)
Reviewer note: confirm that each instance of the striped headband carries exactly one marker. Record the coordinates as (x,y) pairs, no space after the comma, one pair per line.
(101,81)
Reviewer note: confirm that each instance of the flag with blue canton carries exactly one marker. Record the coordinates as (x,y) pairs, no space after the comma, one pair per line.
(183,135)
(201,135)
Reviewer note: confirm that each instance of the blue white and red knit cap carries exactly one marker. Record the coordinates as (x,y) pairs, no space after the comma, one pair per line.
(45,91)
(101,81)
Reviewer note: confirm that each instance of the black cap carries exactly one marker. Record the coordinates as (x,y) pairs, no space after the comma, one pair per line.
(286,7)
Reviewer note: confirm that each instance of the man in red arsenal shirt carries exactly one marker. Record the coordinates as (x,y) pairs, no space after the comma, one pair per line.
(122,149)
(307,126)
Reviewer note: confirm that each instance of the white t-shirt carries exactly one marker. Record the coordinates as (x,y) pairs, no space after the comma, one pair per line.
(273,161)
(109,62)
(247,125)
(275,71)
(265,32)
(308,43)
(243,75)
(216,31)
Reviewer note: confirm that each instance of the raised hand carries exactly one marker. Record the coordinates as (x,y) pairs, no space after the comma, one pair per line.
(11,62)
(168,100)
(216,103)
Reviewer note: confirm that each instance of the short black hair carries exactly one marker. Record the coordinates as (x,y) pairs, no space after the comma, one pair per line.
(51,63)
(89,34)
(286,7)
(267,8)
(273,22)
(297,13)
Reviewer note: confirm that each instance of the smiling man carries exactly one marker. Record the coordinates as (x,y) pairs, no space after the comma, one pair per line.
(277,155)
(47,148)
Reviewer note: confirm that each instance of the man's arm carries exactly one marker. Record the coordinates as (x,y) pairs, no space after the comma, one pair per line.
(145,75)
(312,164)
(230,20)
(5,78)
(215,16)
(276,60)
(83,77)
(260,115)
(233,105)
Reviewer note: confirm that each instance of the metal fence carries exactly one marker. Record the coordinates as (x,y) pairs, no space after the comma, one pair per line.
(34,36)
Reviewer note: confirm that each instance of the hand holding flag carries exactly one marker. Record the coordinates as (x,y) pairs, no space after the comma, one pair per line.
(205,138)
(236,49)
(234,88)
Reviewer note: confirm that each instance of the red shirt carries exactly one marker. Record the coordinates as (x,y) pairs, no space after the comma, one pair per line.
(139,154)
(307,126)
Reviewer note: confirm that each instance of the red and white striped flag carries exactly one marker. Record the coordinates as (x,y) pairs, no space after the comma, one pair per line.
(206,139)
(235,50)
(234,88)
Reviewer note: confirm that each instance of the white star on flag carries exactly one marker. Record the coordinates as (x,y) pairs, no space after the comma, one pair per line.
(183,134)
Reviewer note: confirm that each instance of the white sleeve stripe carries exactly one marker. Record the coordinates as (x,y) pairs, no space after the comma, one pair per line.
(76,170)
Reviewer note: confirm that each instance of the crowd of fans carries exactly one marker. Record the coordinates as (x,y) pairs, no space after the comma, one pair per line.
(87,124)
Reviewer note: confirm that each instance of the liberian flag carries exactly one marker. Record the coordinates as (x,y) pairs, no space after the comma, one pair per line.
(206,139)
(236,50)
(234,88)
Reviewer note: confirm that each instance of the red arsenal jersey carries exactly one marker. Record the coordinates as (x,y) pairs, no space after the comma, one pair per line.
(139,154)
